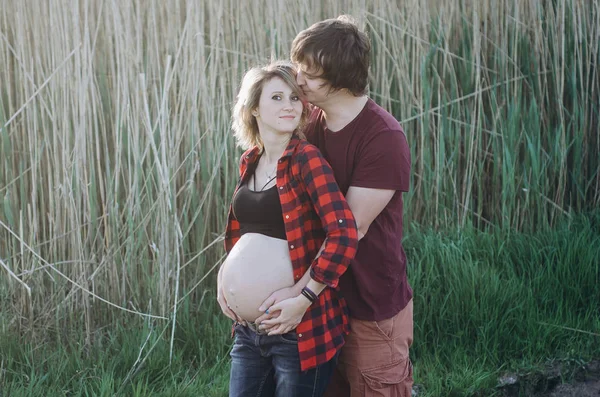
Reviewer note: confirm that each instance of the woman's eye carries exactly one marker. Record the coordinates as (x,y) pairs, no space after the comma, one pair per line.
(276,97)
(295,98)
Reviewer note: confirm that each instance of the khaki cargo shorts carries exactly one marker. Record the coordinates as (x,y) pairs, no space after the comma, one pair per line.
(375,362)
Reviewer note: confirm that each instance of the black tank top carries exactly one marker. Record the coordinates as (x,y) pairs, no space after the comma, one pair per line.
(259,212)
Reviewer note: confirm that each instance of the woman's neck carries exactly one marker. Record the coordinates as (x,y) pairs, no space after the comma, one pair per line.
(274,146)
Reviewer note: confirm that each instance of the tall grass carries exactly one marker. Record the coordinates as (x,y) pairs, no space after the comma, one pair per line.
(500,103)
(117,161)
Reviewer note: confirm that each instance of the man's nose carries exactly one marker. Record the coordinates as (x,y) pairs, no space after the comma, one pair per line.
(300,78)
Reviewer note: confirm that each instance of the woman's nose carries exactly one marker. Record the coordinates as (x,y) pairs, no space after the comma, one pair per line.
(287,104)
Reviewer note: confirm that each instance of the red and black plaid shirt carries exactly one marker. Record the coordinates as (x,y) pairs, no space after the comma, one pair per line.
(314,210)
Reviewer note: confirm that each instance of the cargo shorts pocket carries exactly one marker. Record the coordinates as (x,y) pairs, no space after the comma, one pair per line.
(391,380)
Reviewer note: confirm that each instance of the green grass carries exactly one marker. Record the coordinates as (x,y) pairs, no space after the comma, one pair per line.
(485,304)
(492,302)
(130,359)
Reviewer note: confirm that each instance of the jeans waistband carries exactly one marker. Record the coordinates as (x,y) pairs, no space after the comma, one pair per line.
(255,329)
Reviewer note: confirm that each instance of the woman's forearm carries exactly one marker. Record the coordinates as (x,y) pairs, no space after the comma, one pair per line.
(307,281)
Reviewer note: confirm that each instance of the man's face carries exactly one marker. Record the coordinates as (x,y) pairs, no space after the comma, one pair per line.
(315,88)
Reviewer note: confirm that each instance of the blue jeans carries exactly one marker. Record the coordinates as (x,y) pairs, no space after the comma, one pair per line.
(269,366)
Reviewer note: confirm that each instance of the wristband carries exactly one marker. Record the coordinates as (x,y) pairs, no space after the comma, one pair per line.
(309,294)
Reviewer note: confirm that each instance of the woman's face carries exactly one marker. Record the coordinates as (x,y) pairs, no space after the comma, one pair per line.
(279,109)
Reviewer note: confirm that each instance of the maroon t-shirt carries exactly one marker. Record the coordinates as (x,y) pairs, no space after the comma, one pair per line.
(371,152)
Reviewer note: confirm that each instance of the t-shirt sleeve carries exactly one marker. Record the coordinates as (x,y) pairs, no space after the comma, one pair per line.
(383,162)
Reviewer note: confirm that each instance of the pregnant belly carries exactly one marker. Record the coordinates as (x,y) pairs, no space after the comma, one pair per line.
(256,267)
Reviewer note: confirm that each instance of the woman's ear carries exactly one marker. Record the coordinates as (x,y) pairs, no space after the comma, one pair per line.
(255,113)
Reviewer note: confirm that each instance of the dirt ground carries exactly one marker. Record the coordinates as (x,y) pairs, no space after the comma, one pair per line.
(578,389)
(557,380)
(585,383)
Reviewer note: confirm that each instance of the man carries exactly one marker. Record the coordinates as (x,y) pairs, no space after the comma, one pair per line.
(370,157)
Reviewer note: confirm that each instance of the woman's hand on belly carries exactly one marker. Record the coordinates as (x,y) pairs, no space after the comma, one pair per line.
(278,296)
(275,297)
(290,315)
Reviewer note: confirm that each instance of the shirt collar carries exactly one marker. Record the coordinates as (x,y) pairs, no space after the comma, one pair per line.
(291,147)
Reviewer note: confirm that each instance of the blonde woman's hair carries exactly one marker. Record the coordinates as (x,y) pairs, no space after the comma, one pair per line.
(244,125)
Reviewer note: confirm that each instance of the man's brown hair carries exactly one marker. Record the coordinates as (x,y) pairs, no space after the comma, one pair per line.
(339,49)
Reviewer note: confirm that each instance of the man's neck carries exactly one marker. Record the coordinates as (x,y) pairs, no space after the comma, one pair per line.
(340,110)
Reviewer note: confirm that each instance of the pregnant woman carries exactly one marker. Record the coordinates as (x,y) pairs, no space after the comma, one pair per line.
(289,228)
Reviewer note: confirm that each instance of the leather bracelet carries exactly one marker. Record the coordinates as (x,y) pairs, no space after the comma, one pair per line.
(310,295)
(307,295)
